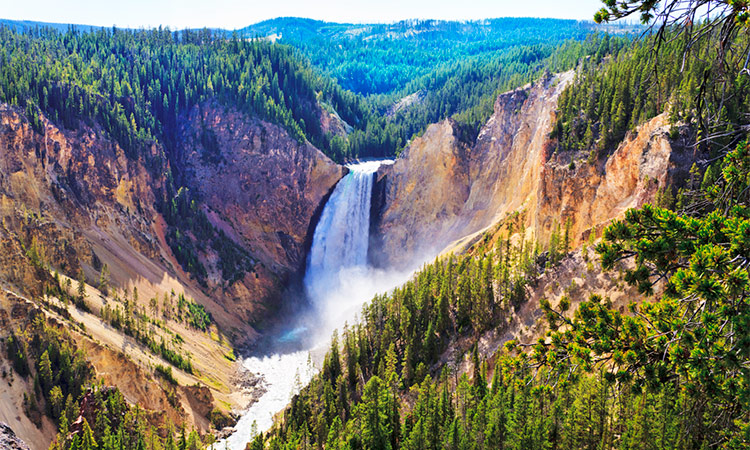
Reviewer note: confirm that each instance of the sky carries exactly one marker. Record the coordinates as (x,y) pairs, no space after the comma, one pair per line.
(232,14)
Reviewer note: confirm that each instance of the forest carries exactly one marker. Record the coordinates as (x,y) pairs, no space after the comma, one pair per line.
(613,96)
(456,69)
(137,84)
(371,59)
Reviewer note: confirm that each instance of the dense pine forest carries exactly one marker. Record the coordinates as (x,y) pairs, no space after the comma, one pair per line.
(451,69)
(614,95)
(385,58)
(138,84)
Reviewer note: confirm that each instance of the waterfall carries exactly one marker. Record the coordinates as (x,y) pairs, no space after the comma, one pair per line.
(338,282)
(341,237)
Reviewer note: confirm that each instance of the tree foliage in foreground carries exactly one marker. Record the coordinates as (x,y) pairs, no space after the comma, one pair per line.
(613,96)
(696,335)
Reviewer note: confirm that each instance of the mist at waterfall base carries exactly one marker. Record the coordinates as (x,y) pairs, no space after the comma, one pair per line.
(338,282)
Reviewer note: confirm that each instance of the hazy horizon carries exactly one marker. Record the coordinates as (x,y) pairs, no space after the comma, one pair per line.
(235,14)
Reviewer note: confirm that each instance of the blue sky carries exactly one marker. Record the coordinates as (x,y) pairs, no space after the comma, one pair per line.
(238,13)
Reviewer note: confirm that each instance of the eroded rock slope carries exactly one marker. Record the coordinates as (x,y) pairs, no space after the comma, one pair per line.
(440,194)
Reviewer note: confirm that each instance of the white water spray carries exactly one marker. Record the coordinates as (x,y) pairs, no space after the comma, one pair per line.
(338,282)
(341,238)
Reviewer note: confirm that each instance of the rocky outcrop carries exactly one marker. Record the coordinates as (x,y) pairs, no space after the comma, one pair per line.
(440,194)
(137,385)
(9,440)
(591,195)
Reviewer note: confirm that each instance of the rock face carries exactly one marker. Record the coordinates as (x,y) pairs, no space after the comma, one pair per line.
(590,196)
(74,193)
(497,175)
(85,203)
(261,187)
(265,187)
(420,196)
(9,440)
(440,194)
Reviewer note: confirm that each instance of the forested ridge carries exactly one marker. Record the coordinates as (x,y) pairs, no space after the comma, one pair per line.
(612,96)
(137,84)
(456,69)
(384,58)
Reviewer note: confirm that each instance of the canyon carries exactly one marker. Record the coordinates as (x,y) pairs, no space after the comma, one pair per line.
(81,204)
(85,204)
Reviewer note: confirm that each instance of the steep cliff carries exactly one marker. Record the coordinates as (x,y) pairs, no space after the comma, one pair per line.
(74,194)
(497,175)
(71,200)
(440,194)
(264,188)
(417,200)
(88,204)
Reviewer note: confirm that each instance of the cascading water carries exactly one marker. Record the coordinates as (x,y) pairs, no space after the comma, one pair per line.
(341,237)
(338,281)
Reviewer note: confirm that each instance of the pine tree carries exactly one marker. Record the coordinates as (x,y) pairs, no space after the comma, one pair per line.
(87,437)
(104,280)
(45,371)
(376,428)
(81,286)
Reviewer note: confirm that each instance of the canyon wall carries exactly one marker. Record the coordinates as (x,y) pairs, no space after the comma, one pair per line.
(71,200)
(442,193)
(265,187)
(88,204)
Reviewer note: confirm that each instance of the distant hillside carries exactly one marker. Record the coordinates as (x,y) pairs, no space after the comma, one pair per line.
(458,68)
(384,58)
(26,25)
